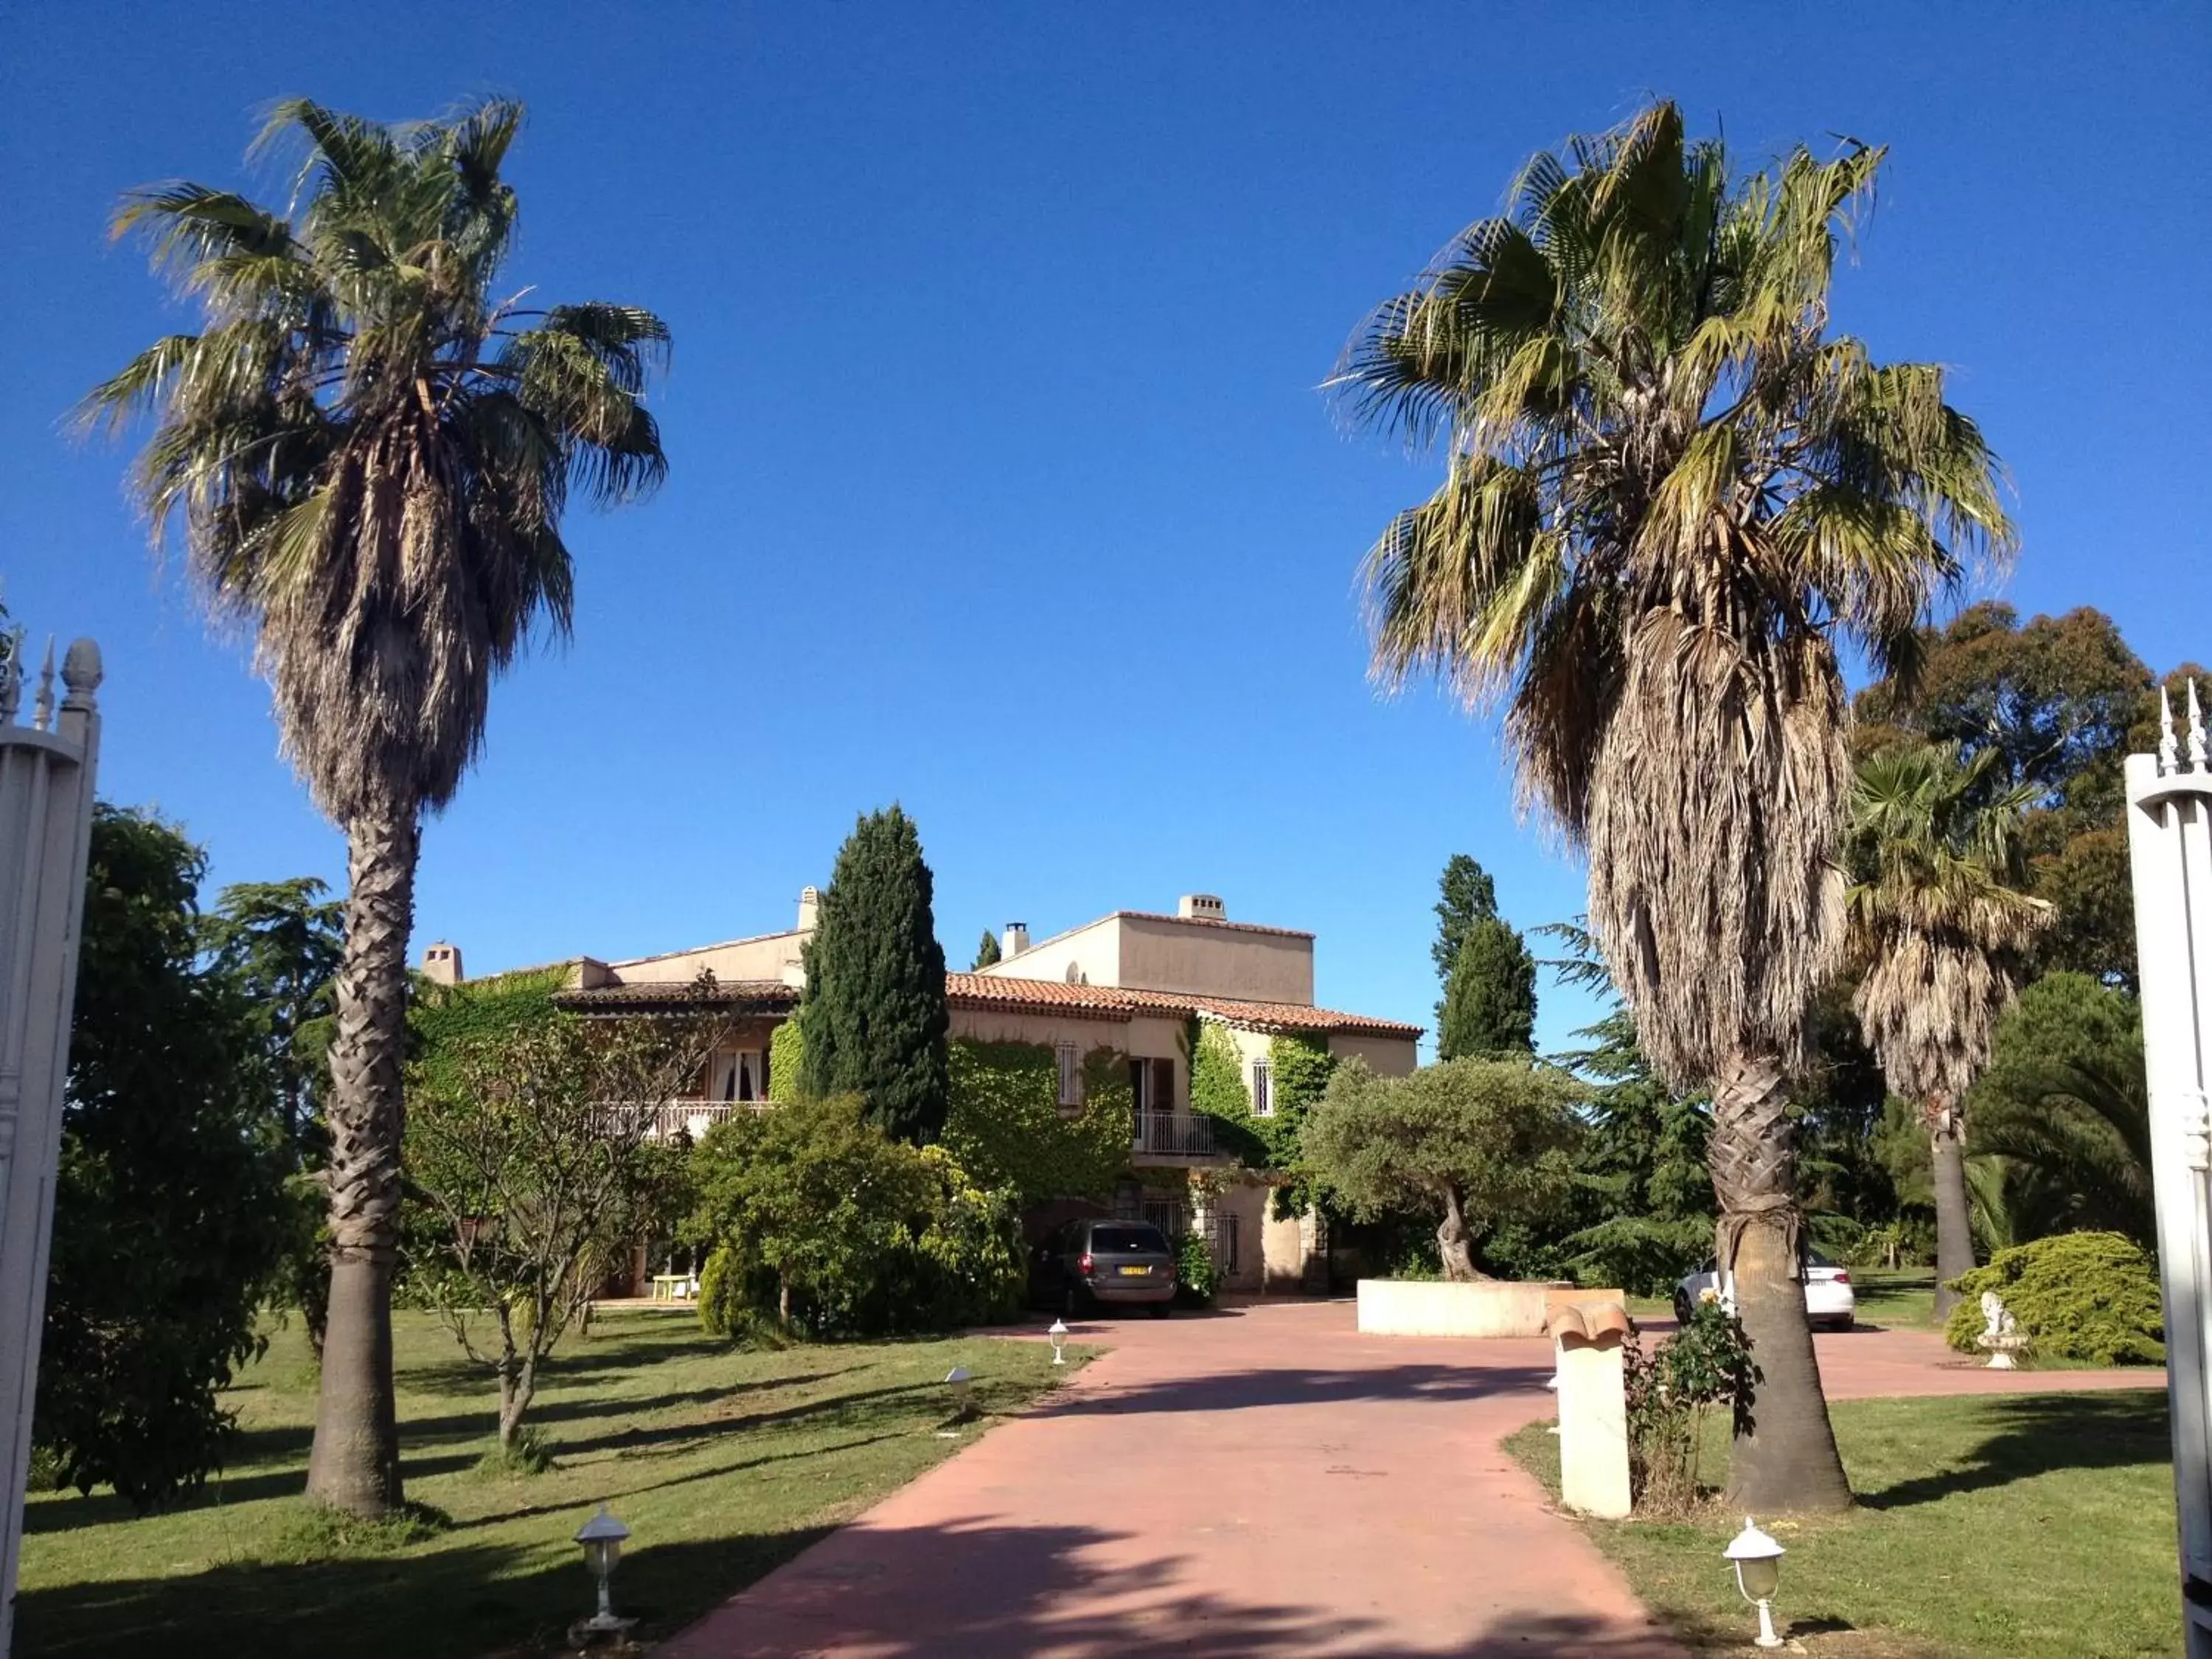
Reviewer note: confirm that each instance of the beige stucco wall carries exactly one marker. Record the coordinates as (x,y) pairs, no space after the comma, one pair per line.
(1093,951)
(1045,1027)
(1389,1056)
(762,958)
(1145,953)
(1214,961)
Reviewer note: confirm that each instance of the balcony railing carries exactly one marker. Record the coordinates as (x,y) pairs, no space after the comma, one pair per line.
(1179,1134)
(665,1119)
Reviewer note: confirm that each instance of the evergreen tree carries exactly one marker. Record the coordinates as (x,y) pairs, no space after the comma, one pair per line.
(874,1005)
(1490,998)
(986,953)
(1469,896)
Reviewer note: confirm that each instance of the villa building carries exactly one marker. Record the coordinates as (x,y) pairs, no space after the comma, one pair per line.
(1134,982)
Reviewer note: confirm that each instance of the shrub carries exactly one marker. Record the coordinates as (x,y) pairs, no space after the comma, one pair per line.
(527,1453)
(1705,1364)
(821,1224)
(2089,1296)
(1197,1279)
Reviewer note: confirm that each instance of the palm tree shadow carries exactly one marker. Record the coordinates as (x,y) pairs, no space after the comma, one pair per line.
(2038,1434)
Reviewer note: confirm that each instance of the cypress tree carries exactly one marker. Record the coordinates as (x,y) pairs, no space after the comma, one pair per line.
(875,1004)
(1468,895)
(988,952)
(1489,1001)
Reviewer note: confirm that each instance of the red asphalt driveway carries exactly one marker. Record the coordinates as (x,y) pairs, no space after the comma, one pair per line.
(1262,1481)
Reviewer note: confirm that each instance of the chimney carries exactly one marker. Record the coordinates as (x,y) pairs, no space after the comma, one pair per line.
(1015,940)
(441,963)
(810,908)
(1201,907)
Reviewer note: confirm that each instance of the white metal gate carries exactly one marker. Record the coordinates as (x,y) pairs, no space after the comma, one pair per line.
(45,819)
(2170,850)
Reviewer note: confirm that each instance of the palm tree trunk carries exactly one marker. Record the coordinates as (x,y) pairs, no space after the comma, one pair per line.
(1954,1228)
(1784,1454)
(354,1464)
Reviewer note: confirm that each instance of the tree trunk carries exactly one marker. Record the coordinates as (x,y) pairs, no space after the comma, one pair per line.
(1955,1227)
(354,1464)
(1452,1243)
(1784,1456)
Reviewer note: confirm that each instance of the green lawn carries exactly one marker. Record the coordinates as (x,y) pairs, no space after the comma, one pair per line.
(2029,1526)
(724,1464)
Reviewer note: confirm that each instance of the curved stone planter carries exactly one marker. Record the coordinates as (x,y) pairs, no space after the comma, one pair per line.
(1415,1307)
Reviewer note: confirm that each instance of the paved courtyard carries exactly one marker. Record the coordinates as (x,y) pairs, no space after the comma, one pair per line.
(1263,1480)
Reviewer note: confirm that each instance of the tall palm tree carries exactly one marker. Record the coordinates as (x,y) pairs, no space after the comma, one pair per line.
(369,449)
(1940,928)
(1669,493)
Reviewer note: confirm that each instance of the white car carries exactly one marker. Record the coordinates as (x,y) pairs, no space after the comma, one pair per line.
(1829,1299)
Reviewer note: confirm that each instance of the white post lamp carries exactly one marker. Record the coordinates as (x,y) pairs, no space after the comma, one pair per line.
(964,1391)
(1057,1337)
(1757,1560)
(602,1538)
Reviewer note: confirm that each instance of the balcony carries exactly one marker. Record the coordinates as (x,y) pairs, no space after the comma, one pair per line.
(1175,1134)
(665,1119)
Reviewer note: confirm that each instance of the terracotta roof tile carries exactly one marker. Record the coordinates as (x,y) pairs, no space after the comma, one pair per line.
(1105,1002)
(765,994)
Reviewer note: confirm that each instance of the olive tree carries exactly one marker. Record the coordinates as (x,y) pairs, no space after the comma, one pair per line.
(1484,1141)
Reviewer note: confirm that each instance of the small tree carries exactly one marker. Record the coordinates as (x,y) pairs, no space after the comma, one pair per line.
(986,953)
(1490,998)
(1486,1141)
(875,1004)
(528,1142)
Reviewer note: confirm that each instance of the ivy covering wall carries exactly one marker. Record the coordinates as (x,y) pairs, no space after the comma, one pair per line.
(1005,1127)
(787,1059)
(439,1016)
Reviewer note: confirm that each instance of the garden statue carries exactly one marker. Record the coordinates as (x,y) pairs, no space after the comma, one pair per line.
(2000,1334)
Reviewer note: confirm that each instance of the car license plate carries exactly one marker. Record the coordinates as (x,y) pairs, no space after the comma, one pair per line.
(1134,1273)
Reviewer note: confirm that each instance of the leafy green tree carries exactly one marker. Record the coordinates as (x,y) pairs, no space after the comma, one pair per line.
(370,445)
(1490,998)
(172,1216)
(1468,896)
(1641,1166)
(987,951)
(820,1223)
(2062,1115)
(874,1003)
(2061,701)
(283,941)
(1484,1141)
(1941,928)
(533,1185)
(1672,496)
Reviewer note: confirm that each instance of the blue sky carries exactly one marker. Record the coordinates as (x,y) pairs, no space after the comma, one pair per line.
(1000,483)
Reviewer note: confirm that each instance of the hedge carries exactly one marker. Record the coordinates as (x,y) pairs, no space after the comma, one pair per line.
(2088,1297)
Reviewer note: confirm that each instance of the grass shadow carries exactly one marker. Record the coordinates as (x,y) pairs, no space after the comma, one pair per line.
(2038,1434)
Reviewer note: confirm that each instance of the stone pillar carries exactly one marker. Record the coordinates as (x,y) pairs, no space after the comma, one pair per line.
(1586,1342)
(46,771)
(2169,818)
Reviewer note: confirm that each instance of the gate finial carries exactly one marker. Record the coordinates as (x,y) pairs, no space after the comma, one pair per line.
(2196,756)
(2169,754)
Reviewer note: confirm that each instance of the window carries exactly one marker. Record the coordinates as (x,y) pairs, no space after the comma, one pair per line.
(741,1076)
(1071,1075)
(1263,1090)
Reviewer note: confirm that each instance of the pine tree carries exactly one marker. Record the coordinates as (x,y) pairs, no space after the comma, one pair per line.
(874,1005)
(1490,999)
(1469,896)
(986,953)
